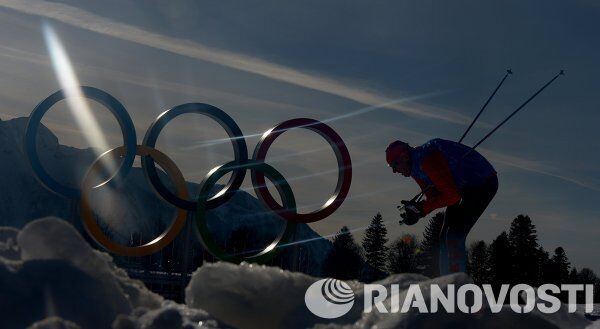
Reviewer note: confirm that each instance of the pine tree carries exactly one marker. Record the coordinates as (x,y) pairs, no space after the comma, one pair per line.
(374,243)
(430,246)
(403,255)
(545,268)
(478,263)
(560,266)
(587,276)
(573,276)
(523,241)
(345,260)
(500,261)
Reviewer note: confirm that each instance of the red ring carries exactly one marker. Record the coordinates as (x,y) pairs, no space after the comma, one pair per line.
(344,166)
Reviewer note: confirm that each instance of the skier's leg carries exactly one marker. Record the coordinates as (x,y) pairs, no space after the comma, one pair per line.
(443,252)
(456,250)
(455,239)
(477,200)
(473,204)
(449,216)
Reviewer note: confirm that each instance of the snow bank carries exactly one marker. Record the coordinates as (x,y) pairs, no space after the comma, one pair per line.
(54,239)
(170,316)
(595,325)
(51,278)
(9,249)
(60,281)
(54,323)
(250,296)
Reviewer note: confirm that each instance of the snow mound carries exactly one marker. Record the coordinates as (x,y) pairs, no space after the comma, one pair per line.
(59,274)
(54,323)
(250,296)
(54,239)
(9,249)
(506,318)
(170,316)
(60,281)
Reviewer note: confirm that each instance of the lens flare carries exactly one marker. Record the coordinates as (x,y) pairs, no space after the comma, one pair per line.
(76,102)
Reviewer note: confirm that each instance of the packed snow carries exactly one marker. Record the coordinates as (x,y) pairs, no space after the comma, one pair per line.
(250,296)
(51,278)
(9,249)
(60,275)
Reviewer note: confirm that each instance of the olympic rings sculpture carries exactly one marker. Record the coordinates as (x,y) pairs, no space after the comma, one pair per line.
(259,170)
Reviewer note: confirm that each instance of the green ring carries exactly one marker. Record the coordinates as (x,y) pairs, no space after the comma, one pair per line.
(284,190)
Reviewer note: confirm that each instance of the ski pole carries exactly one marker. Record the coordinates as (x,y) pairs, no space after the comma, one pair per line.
(562,72)
(508,72)
(420,195)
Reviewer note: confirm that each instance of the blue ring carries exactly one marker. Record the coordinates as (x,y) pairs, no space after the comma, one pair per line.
(34,122)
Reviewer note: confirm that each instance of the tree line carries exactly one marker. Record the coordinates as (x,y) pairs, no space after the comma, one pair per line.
(512,257)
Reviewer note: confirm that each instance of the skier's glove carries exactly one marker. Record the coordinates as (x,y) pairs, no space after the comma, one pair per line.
(413,211)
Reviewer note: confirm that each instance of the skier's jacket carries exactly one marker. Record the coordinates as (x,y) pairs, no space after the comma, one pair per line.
(443,164)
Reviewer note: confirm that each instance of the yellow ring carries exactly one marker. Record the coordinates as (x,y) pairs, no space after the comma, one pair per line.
(89,220)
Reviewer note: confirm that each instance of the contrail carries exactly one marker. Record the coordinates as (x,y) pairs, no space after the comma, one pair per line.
(88,21)
(540,168)
(121,76)
(360,111)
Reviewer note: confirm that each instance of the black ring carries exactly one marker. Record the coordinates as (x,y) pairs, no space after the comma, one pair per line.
(237,140)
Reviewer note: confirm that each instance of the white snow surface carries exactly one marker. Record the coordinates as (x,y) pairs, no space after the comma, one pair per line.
(251,296)
(59,281)
(9,249)
(54,322)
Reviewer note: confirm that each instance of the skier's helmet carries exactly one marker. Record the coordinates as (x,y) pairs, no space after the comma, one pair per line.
(396,152)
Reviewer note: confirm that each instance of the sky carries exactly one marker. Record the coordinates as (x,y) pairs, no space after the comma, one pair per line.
(375,71)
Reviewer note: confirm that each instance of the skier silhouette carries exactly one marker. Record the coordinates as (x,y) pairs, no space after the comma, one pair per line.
(451,175)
